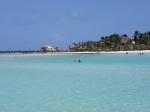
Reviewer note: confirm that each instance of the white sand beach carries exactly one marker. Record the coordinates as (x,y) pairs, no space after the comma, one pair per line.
(124,52)
(70,53)
(105,52)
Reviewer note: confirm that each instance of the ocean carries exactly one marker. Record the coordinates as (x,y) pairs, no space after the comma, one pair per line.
(59,83)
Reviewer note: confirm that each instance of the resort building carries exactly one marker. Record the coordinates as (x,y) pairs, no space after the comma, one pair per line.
(48,49)
(124,39)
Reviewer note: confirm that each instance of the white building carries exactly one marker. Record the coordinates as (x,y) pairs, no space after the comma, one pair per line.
(48,48)
(133,42)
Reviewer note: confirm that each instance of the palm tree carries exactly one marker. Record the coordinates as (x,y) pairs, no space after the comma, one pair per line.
(136,34)
(102,38)
(69,47)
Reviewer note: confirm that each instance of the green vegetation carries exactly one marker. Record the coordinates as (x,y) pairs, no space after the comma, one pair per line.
(115,42)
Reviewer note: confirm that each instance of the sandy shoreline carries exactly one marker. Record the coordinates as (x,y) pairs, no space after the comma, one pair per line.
(124,52)
(73,53)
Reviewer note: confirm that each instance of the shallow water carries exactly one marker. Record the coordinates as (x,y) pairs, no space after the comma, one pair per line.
(57,83)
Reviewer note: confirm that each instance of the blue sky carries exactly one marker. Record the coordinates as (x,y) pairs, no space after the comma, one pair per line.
(30,24)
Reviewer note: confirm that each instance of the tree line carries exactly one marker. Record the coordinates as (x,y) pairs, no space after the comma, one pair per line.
(115,42)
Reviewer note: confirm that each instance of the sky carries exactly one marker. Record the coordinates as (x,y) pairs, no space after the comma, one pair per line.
(30,24)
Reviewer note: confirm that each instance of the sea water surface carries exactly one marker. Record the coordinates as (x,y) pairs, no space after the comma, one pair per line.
(57,83)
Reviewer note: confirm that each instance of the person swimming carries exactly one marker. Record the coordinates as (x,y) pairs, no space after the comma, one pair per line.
(79,60)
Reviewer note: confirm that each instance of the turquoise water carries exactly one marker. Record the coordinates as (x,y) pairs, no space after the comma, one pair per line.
(57,83)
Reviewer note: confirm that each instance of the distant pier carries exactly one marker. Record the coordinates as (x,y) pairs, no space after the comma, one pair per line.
(21,52)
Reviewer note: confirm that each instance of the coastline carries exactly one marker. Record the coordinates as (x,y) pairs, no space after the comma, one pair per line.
(128,52)
(73,53)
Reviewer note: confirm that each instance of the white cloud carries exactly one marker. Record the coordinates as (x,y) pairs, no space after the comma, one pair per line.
(57,37)
(75,15)
(80,16)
